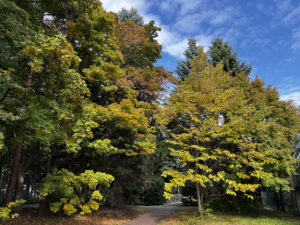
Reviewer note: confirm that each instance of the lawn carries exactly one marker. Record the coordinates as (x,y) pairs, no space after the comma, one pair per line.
(263,217)
(102,217)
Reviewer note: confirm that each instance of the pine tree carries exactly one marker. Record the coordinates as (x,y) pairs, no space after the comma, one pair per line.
(184,66)
(131,14)
(222,51)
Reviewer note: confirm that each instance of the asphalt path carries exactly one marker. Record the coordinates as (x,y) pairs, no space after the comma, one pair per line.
(156,214)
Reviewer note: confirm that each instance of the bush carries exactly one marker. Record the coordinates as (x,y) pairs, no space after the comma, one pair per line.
(68,192)
(6,212)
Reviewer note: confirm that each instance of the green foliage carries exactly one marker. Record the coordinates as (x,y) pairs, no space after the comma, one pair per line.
(68,90)
(153,191)
(15,30)
(238,204)
(184,66)
(70,192)
(124,129)
(131,14)
(56,101)
(279,134)
(220,135)
(137,43)
(6,212)
(220,51)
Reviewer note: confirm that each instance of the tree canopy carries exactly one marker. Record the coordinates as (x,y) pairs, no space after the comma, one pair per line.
(225,129)
(82,119)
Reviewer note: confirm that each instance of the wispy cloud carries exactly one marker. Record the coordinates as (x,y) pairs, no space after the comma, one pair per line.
(292,17)
(289,89)
(296,39)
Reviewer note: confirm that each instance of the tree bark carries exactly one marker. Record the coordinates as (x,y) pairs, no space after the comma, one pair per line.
(19,194)
(17,156)
(1,167)
(44,204)
(199,198)
(21,177)
(14,173)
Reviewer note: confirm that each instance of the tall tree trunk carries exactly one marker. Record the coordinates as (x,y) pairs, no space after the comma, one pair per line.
(1,167)
(21,177)
(199,198)
(14,173)
(19,194)
(282,200)
(17,156)
(44,203)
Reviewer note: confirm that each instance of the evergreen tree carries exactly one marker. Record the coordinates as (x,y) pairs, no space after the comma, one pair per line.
(184,66)
(131,14)
(222,51)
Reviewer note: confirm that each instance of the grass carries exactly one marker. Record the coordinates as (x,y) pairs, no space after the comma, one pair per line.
(102,217)
(262,217)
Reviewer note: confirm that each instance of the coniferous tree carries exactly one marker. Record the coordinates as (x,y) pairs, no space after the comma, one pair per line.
(131,14)
(184,66)
(222,51)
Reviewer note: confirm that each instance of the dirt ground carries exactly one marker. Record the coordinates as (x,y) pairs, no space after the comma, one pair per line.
(137,215)
(101,217)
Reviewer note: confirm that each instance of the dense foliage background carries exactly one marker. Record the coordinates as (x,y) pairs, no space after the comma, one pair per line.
(82,118)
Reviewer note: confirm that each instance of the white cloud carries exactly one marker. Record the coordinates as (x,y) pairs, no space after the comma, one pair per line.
(294,96)
(176,49)
(115,6)
(204,41)
(289,89)
(191,23)
(141,5)
(191,18)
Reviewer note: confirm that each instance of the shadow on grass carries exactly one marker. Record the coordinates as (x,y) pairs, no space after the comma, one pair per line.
(257,217)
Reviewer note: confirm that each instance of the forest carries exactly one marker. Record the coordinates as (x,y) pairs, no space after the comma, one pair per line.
(89,120)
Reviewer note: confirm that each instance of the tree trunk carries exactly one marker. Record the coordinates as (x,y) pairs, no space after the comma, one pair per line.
(199,198)
(1,167)
(21,177)
(19,194)
(44,204)
(282,200)
(14,173)
(17,157)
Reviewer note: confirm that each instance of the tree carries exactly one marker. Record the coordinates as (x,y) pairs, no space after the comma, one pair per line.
(53,103)
(131,14)
(70,92)
(211,123)
(15,29)
(117,63)
(184,66)
(222,51)
(278,135)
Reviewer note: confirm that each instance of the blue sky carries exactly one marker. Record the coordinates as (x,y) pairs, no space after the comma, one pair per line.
(265,33)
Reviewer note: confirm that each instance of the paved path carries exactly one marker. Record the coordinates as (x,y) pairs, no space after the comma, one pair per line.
(157,214)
